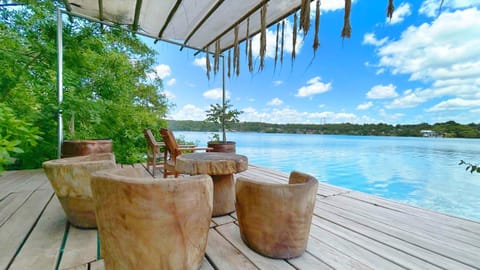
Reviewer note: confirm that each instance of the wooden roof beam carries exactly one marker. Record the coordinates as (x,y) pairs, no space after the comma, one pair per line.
(244,17)
(202,21)
(169,18)
(138,7)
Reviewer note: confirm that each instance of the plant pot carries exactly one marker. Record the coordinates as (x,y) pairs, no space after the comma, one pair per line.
(70,179)
(224,147)
(73,148)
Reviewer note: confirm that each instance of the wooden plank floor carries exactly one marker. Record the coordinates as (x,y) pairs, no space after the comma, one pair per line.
(350,230)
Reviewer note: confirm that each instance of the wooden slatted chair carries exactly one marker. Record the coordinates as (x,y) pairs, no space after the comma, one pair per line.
(173,150)
(154,156)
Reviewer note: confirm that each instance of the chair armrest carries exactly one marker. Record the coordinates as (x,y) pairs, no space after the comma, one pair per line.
(194,148)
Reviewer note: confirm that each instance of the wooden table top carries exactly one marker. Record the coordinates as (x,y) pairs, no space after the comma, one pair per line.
(212,163)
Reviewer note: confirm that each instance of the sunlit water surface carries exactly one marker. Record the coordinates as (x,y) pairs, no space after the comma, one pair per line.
(418,171)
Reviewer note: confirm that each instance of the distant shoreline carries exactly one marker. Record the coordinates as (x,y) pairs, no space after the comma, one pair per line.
(448,129)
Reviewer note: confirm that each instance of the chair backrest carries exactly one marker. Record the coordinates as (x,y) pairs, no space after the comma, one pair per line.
(149,137)
(170,143)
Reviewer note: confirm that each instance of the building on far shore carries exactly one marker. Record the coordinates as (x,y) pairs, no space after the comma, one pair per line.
(429,133)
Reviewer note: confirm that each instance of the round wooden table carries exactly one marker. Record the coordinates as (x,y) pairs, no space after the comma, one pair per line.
(221,167)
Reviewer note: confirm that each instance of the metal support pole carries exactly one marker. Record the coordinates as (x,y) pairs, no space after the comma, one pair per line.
(223,97)
(60,79)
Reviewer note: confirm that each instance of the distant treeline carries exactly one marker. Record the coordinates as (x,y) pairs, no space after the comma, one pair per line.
(449,129)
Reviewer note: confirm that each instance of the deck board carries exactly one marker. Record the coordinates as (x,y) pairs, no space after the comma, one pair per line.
(42,248)
(350,230)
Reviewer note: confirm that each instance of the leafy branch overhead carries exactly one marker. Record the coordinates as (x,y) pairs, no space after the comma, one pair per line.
(470,167)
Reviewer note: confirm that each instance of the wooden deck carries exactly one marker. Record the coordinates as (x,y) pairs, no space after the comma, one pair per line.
(350,230)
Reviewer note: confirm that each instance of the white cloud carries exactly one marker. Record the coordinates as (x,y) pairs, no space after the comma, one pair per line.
(382,91)
(369,38)
(200,62)
(314,86)
(400,13)
(169,95)
(171,82)
(365,106)
(410,99)
(289,115)
(163,71)
(326,6)
(275,102)
(455,104)
(277,82)
(380,71)
(215,94)
(430,8)
(189,112)
(443,53)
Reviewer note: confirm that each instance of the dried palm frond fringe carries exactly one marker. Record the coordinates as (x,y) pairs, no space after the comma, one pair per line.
(276,46)
(390,9)
(305,16)
(229,64)
(316,43)
(347,29)
(236,53)
(283,39)
(263,36)
(216,57)
(247,36)
(207,64)
(294,38)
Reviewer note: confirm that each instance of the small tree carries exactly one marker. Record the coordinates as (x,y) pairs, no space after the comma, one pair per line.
(223,116)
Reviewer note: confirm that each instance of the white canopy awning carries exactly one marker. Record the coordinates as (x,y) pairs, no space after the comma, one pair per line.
(194,23)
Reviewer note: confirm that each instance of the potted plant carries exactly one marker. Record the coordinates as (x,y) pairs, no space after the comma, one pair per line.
(223,116)
(74,147)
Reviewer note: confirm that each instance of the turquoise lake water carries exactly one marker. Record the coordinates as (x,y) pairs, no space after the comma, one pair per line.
(419,171)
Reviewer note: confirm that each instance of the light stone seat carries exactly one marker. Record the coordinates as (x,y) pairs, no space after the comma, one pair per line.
(275,218)
(152,223)
(70,179)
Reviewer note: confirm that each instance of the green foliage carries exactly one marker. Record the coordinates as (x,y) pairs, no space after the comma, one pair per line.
(16,136)
(470,167)
(453,129)
(105,81)
(223,116)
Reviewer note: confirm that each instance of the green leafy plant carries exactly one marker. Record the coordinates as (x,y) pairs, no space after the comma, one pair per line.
(16,135)
(470,167)
(223,116)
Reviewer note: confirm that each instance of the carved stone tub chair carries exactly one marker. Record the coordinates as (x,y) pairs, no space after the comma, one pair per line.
(275,218)
(70,179)
(152,223)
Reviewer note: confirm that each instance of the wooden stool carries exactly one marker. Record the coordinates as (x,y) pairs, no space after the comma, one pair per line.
(148,223)
(274,218)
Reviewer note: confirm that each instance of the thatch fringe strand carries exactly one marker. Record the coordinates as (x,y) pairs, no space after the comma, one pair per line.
(305,16)
(283,39)
(294,38)
(236,53)
(347,28)
(316,42)
(390,9)
(263,36)
(216,57)
(276,45)
(229,64)
(207,64)
(247,37)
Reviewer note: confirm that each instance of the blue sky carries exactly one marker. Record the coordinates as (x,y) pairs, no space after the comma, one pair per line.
(422,66)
